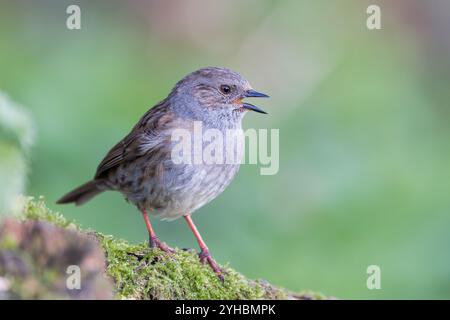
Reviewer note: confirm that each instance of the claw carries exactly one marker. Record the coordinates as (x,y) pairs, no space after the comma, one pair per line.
(155,243)
(205,257)
(204,254)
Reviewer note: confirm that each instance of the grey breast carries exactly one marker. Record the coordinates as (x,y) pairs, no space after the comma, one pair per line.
(188,187)
(169,190)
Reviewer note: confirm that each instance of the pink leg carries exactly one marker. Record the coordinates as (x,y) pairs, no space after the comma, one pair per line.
(153,239)
(205,256)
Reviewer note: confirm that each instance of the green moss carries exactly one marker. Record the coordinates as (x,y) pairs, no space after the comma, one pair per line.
(37,210)
(143,273)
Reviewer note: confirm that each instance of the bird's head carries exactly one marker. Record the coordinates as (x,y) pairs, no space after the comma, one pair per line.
(218,90)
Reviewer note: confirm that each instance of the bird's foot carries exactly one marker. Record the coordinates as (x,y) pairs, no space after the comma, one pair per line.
(154,242)
(205,256)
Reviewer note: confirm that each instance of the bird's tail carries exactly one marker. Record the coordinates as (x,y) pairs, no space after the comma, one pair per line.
(83,193)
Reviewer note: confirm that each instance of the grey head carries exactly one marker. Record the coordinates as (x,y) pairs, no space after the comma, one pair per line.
(213,94)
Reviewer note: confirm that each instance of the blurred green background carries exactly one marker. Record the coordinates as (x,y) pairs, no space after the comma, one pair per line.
(363,116)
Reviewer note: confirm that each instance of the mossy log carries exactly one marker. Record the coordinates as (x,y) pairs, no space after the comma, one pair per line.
(37,248)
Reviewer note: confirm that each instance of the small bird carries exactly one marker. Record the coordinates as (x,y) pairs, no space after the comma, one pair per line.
(141,167)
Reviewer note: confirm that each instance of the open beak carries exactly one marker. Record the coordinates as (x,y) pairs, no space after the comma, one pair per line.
(254,94)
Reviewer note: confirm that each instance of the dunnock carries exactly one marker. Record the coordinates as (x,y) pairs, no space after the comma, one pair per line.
(141,166)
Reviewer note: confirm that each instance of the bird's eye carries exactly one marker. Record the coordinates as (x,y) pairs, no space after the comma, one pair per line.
(225,89)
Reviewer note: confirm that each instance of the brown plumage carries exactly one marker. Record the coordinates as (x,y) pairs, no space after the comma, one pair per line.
(140,165)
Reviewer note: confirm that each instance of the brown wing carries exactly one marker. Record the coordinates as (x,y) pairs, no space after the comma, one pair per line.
(145,136)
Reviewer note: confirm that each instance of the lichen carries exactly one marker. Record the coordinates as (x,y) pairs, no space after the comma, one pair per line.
(143,273)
